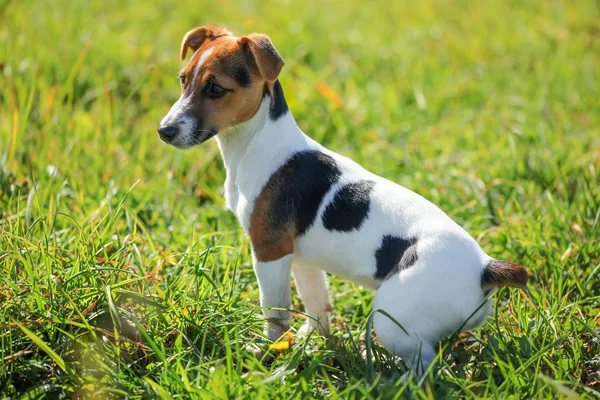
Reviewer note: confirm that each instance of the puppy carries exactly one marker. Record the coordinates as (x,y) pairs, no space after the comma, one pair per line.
(309,211)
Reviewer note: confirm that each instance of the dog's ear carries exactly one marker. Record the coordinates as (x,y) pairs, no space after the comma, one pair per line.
(263,54)
(194,38)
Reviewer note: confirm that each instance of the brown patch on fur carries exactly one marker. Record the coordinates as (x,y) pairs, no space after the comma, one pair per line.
(232,58)
(504,273)
(196,37)
(266,59)
(328,308)
(269,243)
(288,203)
(237,106)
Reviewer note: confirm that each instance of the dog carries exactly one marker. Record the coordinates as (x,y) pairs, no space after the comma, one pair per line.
(309,211)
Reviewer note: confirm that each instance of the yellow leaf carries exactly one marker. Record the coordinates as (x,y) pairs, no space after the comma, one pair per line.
(331,95)
(284,343)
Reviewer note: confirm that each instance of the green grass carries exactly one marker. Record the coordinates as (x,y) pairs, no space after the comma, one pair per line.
(121,273)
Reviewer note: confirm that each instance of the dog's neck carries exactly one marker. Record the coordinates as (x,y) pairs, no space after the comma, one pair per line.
(270,128)
(254,149)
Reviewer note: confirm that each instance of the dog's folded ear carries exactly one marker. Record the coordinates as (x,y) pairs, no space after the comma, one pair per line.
(263,55)
(194,38)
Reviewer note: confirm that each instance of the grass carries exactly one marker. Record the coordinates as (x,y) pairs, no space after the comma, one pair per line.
(121,273)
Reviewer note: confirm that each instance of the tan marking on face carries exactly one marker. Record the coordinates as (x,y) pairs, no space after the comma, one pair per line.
(226,61)
(241,70)
(269,243)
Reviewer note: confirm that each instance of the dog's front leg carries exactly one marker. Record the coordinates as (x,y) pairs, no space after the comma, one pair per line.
(274,285)
(311,284)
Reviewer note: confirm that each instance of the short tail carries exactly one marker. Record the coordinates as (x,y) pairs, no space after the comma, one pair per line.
(503,273)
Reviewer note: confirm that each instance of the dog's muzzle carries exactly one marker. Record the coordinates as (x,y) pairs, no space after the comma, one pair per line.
(168,132)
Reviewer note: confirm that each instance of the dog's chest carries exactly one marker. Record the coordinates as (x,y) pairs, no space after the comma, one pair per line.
(232,193)
(249,169)
(241,190)
(237,201)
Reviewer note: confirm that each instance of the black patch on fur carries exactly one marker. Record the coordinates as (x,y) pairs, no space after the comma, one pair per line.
(349,207)
(298,188)
(278,105)
(394,255)
(487,278)
(242,76)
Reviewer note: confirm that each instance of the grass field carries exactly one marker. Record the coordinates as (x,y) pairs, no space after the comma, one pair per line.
(122,274)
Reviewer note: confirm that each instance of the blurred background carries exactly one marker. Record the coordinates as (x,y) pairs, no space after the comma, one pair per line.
(425,86)
(488,109)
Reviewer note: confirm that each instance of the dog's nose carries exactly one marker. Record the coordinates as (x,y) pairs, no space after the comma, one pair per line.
(168,132)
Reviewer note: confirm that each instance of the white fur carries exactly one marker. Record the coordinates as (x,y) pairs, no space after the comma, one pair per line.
(313,290)
(178,114)
(431,299)
(201,61)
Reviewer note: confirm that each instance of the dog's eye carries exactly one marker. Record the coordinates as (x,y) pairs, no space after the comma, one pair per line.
(182,79)
(215,90)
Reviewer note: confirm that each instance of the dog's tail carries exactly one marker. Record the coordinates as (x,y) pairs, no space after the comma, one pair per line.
(503,273)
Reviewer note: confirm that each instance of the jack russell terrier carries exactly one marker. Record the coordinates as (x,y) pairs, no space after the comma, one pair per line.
(309,211)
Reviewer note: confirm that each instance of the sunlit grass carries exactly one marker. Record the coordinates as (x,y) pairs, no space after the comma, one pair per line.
(122,273)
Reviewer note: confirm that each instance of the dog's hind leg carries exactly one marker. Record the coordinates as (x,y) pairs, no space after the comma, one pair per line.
(314,293)
(417,354)
(405,326)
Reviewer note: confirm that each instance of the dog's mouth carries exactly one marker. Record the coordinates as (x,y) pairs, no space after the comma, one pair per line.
(182,141)
(205,134)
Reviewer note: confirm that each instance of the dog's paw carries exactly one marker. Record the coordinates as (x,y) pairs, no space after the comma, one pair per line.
(257,350)
(305,330)
(309,326)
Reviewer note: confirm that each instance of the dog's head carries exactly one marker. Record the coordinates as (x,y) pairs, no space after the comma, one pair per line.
(223,84)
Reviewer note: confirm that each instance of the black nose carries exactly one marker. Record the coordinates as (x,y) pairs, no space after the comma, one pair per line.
(168,132)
